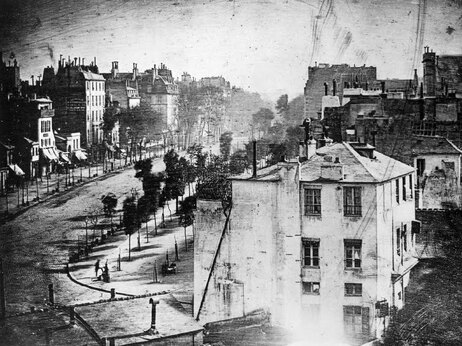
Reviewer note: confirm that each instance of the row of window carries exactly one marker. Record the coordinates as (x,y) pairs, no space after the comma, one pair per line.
(45,126)
(351,201)
(96,100)
(352,253)
(402,191)
(350,289)
(96,115)
(95,86)
(47,142)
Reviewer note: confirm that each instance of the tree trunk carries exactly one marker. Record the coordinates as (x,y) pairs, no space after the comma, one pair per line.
(155,224)
(129,245)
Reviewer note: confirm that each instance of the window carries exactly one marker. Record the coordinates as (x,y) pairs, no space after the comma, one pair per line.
(404,188)
(312,201)
(355,290)
(404,237)
(310,288)
(311,253)
(352,253)
(356,319)
(397,190)
(398,241)
(410,185)
(352,201)
(420,167)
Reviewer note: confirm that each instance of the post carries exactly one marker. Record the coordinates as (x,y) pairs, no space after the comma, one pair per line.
(36,184)
(2,292)
(72,315)
(153,303)
(185,239)
(89,169)
(113,293)
(51,294)
(118,262)
(48,185)
(176,250)
(57,188)
(155,271)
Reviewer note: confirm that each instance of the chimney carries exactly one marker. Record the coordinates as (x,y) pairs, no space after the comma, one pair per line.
(421,90)
(334,87)
(311,148)
(302,151)
(94,59)
(331,170)
(383,87)
(325,88)
(75,61)
(254,159)
(83,61)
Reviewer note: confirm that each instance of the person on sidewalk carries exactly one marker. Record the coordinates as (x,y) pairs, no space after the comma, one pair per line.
(96,268)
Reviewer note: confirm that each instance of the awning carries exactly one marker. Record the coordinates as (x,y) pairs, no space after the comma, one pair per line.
(46,153)
(17,170)
(54,153)
(80,155)
(64,157)
(109,147)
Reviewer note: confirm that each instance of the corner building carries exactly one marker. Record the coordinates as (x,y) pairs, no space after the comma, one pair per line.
(324,246)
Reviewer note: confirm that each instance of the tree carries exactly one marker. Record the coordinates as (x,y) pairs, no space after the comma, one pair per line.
(189,109)
(109,204)
(238,162)
(225,145)
(262,120)
(110,118)
(130,219)
(139,123)
(188,205)
(144,209)
(282,104)
(215,184)
(143,167)
(174,181)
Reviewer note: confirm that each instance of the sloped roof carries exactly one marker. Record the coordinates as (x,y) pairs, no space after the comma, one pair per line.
(433,145)
(92,76)
(356,168)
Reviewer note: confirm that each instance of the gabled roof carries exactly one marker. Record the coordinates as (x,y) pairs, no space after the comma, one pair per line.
(92,76)
(433,145)
(356,168)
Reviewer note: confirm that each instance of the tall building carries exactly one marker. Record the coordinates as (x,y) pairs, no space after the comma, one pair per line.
(324,246)
(79,94)
(160,90)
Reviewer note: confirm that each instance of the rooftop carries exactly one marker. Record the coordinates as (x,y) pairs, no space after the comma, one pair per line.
(428,145)
(356,167)
(92,76)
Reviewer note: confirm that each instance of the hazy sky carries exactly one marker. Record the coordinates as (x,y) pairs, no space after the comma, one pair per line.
(263,46)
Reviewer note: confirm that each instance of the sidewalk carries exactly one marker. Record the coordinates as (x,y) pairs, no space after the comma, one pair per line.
(138,276)
(41,189)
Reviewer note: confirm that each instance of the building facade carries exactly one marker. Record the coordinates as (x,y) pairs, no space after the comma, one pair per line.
(325,246)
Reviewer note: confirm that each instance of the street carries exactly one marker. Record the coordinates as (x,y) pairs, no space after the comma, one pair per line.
(36,245)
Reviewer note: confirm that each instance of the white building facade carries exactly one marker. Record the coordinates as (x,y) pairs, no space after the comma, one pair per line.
(325,246)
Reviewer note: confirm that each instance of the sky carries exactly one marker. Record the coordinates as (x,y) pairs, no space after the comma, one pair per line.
(262,46)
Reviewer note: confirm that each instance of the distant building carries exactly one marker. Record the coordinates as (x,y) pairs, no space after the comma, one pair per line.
(160,90)
(122,87)
(325,246)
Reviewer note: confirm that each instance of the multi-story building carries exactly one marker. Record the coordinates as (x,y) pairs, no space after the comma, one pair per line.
(325,246)
(79,94)
(160,90)
(122,87)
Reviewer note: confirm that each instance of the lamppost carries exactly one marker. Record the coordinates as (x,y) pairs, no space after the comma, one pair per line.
(86,231)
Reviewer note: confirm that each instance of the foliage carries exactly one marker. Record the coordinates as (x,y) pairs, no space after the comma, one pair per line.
(174,180)
(139,122)
(130,215)
(189,104)
(145,207)
(262,120)
(225,144)
(238,162)
(293,136)
(282,105)
(151,187)
(214,184)
(109,203)
(187,207)
(143,167)
(110,118)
